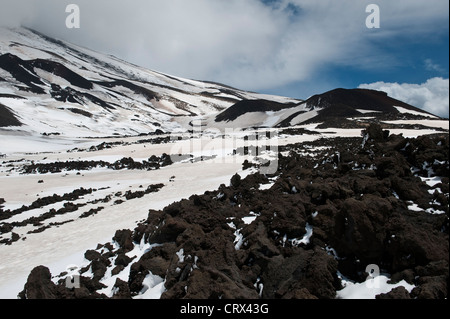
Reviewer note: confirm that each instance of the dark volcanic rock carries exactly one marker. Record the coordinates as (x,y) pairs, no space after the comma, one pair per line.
(22,71)
(312,271)
(7,118)
(396,293)
(245,106)
(346,208)
(122,290)
(124,239)
(39,285)
(60,70)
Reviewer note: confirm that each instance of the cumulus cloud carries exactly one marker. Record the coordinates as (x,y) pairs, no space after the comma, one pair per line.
(432,96)
(251,44)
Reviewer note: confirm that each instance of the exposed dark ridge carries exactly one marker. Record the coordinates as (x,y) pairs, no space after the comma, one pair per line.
(175,79)
(7,118)
(98,101)
(62,71)
(81,112)
(246,106)
(22,71)
(12,96)
(148,94)
(230,92)
(73,96)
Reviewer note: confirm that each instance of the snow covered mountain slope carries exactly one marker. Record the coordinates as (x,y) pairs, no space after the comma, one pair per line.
(50,87)
(53,87)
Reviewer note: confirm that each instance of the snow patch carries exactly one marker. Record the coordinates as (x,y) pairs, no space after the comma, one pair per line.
(363,111)
(249,219)
(153,287)
(370,288)
(405,110)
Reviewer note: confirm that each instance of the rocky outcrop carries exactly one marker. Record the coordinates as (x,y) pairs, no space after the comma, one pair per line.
(39,285)
(363,201)
(153,162)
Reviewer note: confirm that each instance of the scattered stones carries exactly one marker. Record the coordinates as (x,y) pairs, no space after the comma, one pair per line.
(154,162)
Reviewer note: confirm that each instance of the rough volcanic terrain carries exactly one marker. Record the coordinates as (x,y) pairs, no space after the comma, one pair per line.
(379,199)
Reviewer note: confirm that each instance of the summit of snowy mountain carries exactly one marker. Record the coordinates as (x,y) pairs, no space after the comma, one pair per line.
(360,102)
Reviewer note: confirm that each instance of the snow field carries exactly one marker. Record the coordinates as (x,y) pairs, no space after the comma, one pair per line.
(57,243)
(60,246)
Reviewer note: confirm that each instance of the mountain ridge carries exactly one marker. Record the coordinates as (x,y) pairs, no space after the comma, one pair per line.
(55,74)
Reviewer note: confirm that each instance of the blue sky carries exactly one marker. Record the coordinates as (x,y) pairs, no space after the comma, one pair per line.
(296,48)
(416,63)
(408,53)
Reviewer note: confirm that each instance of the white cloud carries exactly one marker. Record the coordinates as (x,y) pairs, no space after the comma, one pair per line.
(432,96)
(431,66)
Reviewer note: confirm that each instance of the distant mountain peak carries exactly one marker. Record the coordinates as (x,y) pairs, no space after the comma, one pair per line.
(330,108)
(343,103)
